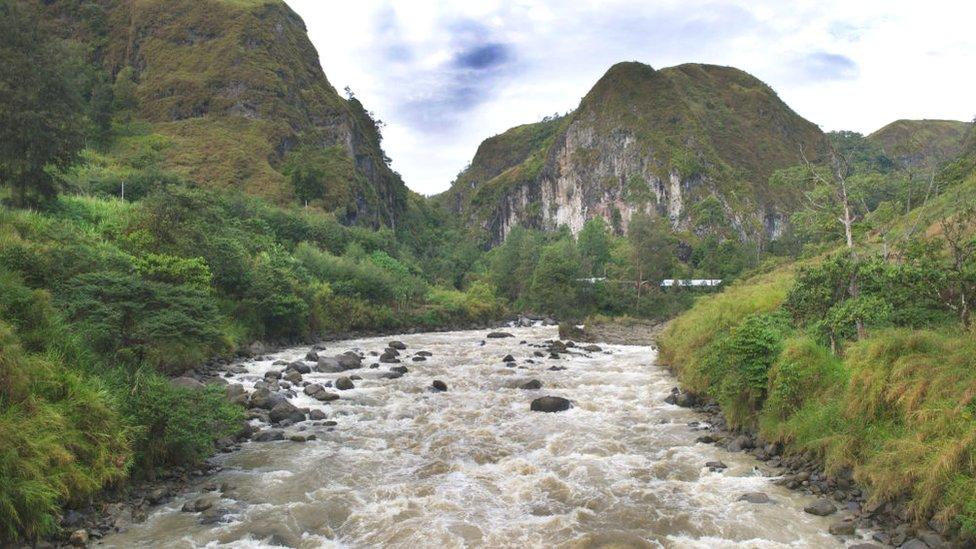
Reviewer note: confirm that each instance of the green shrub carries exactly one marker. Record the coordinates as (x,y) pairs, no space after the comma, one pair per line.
(171,425)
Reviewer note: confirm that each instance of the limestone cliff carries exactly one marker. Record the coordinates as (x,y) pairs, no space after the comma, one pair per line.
(645,140)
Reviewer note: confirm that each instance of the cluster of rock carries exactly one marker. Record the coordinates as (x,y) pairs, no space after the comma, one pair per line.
(271,416)
(890,523)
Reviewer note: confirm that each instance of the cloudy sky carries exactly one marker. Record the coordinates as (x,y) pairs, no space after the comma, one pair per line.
(444,75)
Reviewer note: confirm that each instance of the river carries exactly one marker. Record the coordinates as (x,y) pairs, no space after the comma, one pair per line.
(408,467)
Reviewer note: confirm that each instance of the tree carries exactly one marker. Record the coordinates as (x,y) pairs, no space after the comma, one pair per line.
(124,90)
(594,246)
(555,285)
(962,251)
(832,197)
(42,110)
(652,249)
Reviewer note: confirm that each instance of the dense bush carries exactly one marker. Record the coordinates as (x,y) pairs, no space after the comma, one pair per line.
(172,425)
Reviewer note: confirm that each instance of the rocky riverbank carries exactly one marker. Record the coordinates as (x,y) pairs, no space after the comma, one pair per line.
(614,331)
(270,416)
(890,524)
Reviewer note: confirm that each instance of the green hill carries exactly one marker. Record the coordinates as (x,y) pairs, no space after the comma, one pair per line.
(231,94)
(916,143)
(644,140)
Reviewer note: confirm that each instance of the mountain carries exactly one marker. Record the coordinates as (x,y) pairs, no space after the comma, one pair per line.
(644,140)
(916,143)
(233,94)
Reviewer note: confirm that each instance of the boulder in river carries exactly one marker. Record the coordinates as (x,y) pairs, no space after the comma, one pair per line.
(200,504)
(419,358)
(325,396)
(508,358)
(715,465)
(398,345)
(425,353)
(344,384)
(531,385)
(301,367)
(740,443)
(328,365)
(550,404)
(316,415)
(593,348)
(499,335)
(293,376)
(285,410)
(349,360)
(389,358)
(821,508)
(843,528)
(755,497)
(263,398)
(438,386)
(268,435)
(311,356)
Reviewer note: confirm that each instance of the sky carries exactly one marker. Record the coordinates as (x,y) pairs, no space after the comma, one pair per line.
(443,75)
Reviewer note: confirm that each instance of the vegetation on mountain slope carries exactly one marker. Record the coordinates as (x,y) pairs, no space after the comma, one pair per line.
(232,96)
(781,351)
(644,141)
(921,143)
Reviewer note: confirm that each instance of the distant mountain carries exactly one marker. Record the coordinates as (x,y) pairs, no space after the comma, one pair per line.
(657,141)
(916,143)
(231,89)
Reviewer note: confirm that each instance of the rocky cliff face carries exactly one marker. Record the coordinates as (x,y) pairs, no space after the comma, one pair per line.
(234,87)
(662,142)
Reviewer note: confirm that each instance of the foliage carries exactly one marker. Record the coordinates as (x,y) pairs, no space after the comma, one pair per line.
(42,110)
(173,425)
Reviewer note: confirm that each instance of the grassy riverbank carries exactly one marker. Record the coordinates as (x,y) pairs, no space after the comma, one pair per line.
(101,299)
(896,407)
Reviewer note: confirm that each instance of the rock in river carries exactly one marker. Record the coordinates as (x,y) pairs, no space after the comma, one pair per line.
(550,404)
(398,345)
(268,435)
(531,385)
(499,335)
(344,384)
(438,385)
(821,508)
(285,410)
(755,497)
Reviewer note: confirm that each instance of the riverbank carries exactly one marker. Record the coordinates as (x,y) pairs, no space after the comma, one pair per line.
(614,330)
(889,412)
(121,505)
(840,497)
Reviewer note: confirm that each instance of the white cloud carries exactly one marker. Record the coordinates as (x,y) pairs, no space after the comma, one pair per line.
(446,74)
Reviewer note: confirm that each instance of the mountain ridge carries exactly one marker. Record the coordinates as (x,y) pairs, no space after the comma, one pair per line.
(652,141)
(230,89)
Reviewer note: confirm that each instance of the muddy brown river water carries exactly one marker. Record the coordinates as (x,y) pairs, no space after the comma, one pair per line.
(473,467)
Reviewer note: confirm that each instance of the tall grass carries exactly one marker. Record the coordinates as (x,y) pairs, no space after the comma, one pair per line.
(60,439)
(899,408)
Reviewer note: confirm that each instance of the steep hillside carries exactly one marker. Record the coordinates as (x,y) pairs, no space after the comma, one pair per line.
(917,143)
(232,90)
(645,140)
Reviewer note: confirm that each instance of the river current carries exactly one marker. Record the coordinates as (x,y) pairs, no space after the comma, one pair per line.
(472,467)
